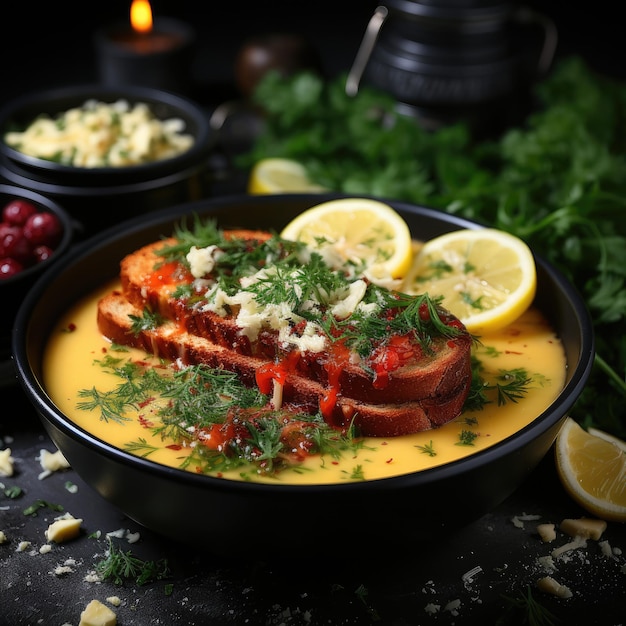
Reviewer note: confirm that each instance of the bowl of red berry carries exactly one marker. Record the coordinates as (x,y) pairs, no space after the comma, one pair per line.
(34,232)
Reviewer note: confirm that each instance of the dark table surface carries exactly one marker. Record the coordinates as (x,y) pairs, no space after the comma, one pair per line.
(472,574)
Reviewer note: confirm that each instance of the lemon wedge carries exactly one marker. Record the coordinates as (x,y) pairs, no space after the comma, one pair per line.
(277,175)
(592,469)
(487,277)
(368,234)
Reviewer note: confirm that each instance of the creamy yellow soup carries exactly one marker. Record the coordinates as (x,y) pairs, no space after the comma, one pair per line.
(530,344)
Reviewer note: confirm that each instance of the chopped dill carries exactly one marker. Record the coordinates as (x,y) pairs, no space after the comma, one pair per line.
(140,447)
(199,406)
(466,438)
(427,448)
(509,386)
(525,609)
(357,473)
(13,492)
(120,566)
(512,385)
(41,504)
(149,320)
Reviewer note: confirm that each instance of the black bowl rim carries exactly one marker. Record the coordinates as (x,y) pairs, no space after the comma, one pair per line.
(543,423)
(20,176)
(43,203)
(187,109)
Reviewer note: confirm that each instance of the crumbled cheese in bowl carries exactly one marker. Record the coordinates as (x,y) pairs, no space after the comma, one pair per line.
(99,134)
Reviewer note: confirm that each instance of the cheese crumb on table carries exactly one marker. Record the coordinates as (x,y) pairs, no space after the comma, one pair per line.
(51,462)
(546,532)
(6,462)
(97,614)
(63,529)
(550,585)
(584,527)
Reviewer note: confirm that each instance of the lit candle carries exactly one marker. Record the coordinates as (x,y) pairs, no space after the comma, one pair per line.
(151,53)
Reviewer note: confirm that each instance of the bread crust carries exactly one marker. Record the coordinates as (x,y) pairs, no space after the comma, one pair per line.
(172,342)
(425,393)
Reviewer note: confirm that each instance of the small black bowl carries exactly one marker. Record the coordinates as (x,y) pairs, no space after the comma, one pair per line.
(13,289)
(102,196)
(231,517)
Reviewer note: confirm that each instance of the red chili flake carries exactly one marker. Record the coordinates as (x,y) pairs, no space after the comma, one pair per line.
(455,324)
(389,460)
(146,423)
(174,446)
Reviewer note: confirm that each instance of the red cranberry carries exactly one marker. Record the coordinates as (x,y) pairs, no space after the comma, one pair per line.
(17,212)
(42,253)
(43,228)
(9,267)
(13,243)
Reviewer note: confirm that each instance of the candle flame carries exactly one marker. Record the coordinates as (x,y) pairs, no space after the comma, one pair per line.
(141,16)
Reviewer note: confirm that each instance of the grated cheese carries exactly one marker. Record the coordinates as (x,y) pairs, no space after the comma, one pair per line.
(99,134)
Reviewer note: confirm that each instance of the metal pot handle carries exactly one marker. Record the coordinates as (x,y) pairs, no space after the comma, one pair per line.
(550,36)
(524,15)
(365,50)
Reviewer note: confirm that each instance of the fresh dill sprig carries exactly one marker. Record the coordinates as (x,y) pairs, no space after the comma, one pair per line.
(512,385)
(148,320)
(138,382)
(466,438)
(525,609)
(110,404)
(120,566)
(427,448)
(140,447)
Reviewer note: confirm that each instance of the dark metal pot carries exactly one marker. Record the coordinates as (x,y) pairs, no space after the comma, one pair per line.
(470,60)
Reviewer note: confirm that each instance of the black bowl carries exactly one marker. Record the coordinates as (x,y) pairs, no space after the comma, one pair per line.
(13,290)
(229,516)
(102,196)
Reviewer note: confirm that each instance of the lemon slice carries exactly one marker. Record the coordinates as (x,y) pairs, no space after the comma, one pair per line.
(369,234)
(280,176)
(593,470)
(607,437)
(487,277)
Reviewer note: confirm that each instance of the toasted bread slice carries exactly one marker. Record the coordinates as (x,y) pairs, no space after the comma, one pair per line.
(172,341)
(148,282)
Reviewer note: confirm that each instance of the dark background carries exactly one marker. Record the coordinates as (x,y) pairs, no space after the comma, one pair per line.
(51,43)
